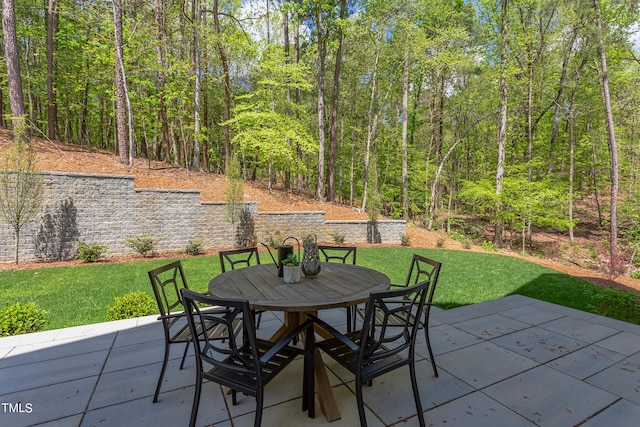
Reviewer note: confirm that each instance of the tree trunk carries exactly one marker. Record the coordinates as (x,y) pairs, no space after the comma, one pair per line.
(405,123)
(52,110)
(321,113)
(227,88)
(296,59)
(195,58)
(572,148)
(556,113)
(333,129)
(164,123)
(14,79)
(121,105)
(287,89)
(613,147)
(373,119)
(502,133)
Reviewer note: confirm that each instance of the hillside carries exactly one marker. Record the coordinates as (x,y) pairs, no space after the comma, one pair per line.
(60,157)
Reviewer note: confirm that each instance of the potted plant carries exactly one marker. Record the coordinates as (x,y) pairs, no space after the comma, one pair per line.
(291,269)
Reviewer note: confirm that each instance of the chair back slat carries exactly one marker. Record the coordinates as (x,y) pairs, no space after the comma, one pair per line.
(244,257)
(391,321)
(236,354)
(422,269)
(167,281)
(338,253)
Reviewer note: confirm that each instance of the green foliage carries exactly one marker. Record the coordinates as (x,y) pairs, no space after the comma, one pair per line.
(338,238)
(21,318)
(489,246)
(266,125)
(132,304)
(91,252)
(635,274)
(194,247)
(274,241)
(143,244)
(291,260)
(480,198)
(615,304)
(404,239)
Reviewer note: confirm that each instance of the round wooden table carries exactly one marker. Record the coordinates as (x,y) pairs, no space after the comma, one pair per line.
(337,285)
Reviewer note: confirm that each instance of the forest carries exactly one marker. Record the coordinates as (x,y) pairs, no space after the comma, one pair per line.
(514,112)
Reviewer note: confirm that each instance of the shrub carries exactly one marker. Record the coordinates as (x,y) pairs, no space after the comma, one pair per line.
(133,304)
(194,247)
(614,303)
(440,242)
(273,241)
(404,239)
(489,246)
(21,318)
(90,252)
(338,238)
(635,274)
(142,244)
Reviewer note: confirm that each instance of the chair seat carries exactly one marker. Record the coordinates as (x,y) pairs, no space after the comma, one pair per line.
(348,357)
(397,319)
(214,332)
(243,378)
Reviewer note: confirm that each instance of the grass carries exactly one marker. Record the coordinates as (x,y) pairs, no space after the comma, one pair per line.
(81,294)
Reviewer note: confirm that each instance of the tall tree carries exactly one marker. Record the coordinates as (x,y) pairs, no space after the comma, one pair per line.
(611,139)
(321,59)
(12,55)
(502,132)
(333,127)
(226,83)
(52,28)
(195,63)
(121,104)
(159,12)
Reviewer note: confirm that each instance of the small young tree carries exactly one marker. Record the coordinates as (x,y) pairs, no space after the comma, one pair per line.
(20,188)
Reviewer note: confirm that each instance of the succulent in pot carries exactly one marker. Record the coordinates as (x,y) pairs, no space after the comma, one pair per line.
(291,269)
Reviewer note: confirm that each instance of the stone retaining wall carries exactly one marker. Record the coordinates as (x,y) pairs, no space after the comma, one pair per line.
(106,209)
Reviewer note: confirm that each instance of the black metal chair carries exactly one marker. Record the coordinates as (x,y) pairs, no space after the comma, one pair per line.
(243,363)
(422,269)
(380,347)
(167,281)
(229,260)
(343,254)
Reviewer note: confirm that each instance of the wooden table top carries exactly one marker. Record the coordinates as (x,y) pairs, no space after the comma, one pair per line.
(337,285)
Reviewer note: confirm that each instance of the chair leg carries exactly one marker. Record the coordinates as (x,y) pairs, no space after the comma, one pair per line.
(259,403)
(360,402)
(164,366)
(258,319)
(416,393)
(196,402)
(184,355)
(433,360)
(309,398)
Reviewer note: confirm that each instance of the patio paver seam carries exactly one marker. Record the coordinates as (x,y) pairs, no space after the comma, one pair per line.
(95,386)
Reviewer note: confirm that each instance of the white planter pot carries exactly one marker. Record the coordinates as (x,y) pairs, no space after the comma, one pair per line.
(291,274)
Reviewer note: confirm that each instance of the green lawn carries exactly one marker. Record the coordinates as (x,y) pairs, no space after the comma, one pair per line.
(81,294)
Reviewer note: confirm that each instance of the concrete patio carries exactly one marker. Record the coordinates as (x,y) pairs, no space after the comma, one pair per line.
(515,361)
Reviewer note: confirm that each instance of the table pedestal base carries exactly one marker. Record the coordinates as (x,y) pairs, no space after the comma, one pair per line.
(326,398)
